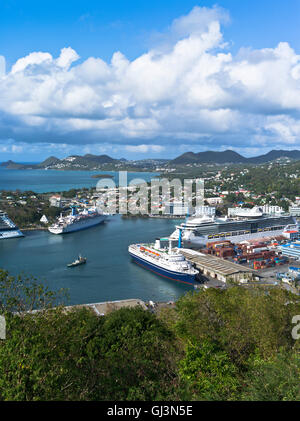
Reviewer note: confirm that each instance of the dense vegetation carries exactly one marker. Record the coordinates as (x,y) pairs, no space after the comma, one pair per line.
(27,208)
(213,345)
(277,180)
(272,183)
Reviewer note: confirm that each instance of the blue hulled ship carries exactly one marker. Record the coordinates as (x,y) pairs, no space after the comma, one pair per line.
(166,262)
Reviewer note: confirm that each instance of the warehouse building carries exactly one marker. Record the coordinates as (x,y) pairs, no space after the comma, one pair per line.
(217,268)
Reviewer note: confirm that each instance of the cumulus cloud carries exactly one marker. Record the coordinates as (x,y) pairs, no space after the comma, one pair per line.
(144,148)
(198,20)
(195,92)
(32,59)
(66,58)
(2,66)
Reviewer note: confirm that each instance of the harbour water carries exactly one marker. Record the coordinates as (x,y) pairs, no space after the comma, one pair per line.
(109,273)
(44,181)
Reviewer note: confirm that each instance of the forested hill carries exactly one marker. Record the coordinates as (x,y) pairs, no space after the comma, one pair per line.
(232,157)
(213,345)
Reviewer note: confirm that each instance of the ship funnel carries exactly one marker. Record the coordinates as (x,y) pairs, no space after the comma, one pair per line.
(157,243)
(180,238)
(73,210)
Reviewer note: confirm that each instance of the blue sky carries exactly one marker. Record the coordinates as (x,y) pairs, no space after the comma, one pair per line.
(117,118)
(96,28)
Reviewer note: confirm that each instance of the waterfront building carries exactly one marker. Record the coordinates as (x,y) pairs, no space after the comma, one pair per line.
(256,211)
(213,201)
(55,201)
(176,209)
(291,250)
(205,210)
(294,210)
(217,268)
(272,210)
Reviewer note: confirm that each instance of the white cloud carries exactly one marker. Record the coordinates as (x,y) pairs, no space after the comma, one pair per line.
(193,92)
(66,58)
(144,148)
(2,66)
(36,58)
(198,20)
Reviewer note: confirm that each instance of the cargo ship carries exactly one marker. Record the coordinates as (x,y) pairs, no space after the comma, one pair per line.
(8,228)
(164,261)
(77,221)
(198,231)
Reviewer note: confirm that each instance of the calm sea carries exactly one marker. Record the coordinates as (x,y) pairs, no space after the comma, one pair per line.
(109,273)
(43,181)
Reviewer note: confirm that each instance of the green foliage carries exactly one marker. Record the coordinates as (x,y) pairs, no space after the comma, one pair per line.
(29,214)
(213,345)
(139,355)
(276,379)
(70,194)
(42,357)
(223,332)
(238,319)
(277,180)
(21,294)
(76,355)
(209,372)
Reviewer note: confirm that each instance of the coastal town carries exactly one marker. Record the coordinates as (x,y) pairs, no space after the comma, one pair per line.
(150,205)
(264,261)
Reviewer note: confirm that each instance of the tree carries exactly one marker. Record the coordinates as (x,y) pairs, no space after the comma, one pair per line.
(73,354)
(209,372)
(23,294)
(220,332)
(239,320)
(276,379)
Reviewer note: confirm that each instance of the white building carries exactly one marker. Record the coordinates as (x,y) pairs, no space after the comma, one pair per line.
(44,219)
(176,209)
(294,210)
(255,211)
(55,201)
(205,210)
(212,201)
(271,210)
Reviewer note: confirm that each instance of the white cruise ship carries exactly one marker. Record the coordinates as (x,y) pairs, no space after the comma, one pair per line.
(7,228)
(198,231)
(77,221)
(168,263)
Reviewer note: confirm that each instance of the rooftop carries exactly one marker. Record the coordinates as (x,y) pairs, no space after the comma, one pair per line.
(223,267)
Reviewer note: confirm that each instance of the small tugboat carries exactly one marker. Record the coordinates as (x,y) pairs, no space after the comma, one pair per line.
(79,261)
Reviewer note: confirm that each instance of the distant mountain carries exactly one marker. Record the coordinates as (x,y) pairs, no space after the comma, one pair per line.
(100,159)
(94,162)
(12,165)
(213,157)
(231,157)
(85,162)
(52,160)
(275,154)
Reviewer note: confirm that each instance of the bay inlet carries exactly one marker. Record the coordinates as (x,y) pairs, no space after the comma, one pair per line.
(109,273)
(45,181)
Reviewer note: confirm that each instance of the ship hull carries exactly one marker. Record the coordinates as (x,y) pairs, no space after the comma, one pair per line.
(165,273)
(78,226)
(5,235)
